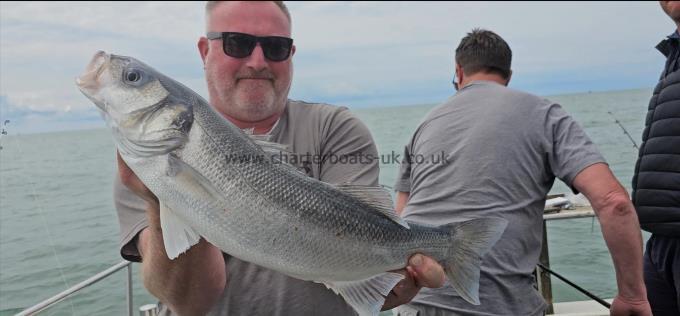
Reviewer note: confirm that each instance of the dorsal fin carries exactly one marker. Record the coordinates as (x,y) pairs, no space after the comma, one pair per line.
(377,197)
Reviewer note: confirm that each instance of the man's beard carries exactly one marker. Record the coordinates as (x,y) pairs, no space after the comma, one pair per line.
(255,103)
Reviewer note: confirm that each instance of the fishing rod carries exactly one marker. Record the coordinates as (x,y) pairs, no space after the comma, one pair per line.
(624,130)
(580,289)
(39,204)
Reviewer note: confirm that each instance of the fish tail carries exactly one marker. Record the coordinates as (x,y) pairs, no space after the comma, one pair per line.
(470,241)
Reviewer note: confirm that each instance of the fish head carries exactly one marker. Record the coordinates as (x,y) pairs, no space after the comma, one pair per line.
(144,115)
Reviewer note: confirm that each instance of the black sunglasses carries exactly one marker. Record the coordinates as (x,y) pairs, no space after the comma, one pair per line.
(241,45)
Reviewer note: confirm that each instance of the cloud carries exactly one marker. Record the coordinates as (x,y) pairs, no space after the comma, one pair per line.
(354,53)
(164,21)
(44,46)
(383,44)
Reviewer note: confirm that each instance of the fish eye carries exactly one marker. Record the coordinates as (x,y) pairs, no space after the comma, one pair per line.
(132,76)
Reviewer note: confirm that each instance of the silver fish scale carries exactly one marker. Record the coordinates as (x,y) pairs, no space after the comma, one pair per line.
(274,216)
(277,217)
(223,186)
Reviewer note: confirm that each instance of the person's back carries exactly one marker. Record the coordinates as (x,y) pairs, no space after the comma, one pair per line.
(501,151)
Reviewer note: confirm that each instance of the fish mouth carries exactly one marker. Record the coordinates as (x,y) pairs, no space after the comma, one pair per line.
(88,81)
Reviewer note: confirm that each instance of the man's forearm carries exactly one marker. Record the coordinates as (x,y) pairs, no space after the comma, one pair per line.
(620,227)
(621,231)
(189,284)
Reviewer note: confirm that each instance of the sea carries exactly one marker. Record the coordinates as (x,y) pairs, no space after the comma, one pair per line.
(58,225)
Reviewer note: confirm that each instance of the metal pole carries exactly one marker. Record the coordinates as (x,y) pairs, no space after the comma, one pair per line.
(61,296)
(545,286)
(129,289)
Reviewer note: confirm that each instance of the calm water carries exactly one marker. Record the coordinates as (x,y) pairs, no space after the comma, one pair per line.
(58,226)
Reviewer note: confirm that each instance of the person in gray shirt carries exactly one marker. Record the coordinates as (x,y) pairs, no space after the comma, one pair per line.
(248,67)
(491,151)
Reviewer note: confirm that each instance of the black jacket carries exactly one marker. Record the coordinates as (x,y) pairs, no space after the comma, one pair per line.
(656,182)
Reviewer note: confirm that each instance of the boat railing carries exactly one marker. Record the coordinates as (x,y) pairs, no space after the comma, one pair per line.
(84,284)
(542,275)
(543,271)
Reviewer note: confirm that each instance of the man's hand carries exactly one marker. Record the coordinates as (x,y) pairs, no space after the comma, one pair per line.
(192,283)
(422,271)
(130,180)
(623,307)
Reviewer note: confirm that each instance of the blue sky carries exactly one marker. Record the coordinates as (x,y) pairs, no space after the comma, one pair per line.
(352,54)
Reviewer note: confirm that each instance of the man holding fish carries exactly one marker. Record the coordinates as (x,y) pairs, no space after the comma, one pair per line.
(247,57)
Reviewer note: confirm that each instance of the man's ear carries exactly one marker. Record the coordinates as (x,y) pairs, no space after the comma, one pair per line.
(203,48)
(460,74)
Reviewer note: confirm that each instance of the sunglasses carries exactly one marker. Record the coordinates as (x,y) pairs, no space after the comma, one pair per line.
(241,45)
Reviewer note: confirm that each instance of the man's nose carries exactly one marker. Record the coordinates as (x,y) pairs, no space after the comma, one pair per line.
(256,60)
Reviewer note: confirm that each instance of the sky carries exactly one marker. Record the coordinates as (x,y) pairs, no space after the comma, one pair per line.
(359,55)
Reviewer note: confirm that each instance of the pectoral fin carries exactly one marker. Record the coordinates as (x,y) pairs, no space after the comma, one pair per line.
(194,182)
(178,237)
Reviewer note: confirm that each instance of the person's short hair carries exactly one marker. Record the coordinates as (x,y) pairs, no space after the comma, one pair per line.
(484,51)
(210,5)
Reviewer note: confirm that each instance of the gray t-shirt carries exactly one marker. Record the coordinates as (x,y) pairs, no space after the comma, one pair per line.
(503,149)
(310,131)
